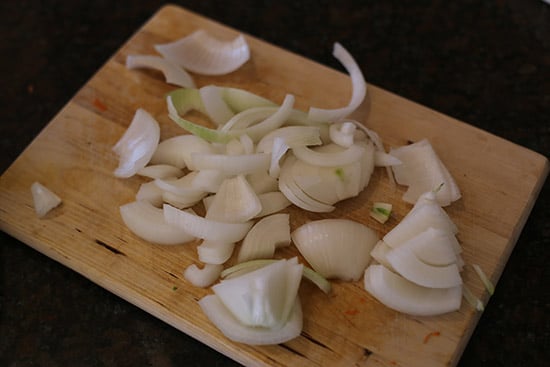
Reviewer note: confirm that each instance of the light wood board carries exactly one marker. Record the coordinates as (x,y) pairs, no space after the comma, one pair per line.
(72,156)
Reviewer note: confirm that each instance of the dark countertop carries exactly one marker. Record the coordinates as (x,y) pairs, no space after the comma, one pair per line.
(484,62)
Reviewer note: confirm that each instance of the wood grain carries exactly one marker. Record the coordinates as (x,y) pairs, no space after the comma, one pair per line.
(72,156)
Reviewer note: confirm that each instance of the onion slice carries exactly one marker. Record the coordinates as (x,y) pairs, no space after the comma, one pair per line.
(172,72)
(234,202)
(137,145)
(204,277)
(44,199)
(201,53)
(336,248)
(404,296)
(265,237)
(147,222)
(359,89)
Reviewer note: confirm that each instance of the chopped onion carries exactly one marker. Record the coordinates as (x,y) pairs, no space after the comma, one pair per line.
(379,253)
(44,199)
(292,136)
(329,159)
(176,151)
(161,171)
(263,297)
(382,159)
(381,211)
(342,133)
(265,237)
(404,296)
(215,252)
(151,193)
(359,87)
(262,182)
(472,300)
(232,164)
(408,265)
(336,248)
(422,170)
(137,145)
(234,330)
(185,100)
(147,222)
(240,99)
(486,282)
(214,105)
(206,229)
(172,72)
(272,202)
(279,150)
(234,202)
(203,54)
(204,277)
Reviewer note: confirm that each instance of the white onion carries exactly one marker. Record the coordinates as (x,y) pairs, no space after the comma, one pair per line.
(359,89)
(265,237)
(44,199)
(151,193)
(262,182)
(147,222)
(404,296)
(234,202)
(336,248)
(137,145)
(232,164)
(342,133)
(214,105)
(329,159)
(206,229)
(203,54)
(222,318)
(272,202)
(161,171)
(215,252)
(176,151)
(172,72)
(292,136)
(204,277)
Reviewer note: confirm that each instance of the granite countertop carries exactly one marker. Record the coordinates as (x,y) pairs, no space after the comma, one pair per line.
(483,62)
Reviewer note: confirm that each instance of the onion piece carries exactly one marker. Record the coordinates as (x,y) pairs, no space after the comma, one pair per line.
(422,170)
(472,300)
(240,99)
(336,248)
(151,193)
(379,253)
(263,297)
(329,159)
(234,202)
(232,164)
(137,145)
(186,99)
(382,159)
(484,279)
(279,150)
(204,277)
(262,182)
(381,211)
(148,223)
(342,133)
(248,266)
(272,202)
(404,296)
(234,330)
(161,171)
(214,105)
(173,74)
(215,252)
(176,151)
(404,261)
(206,229)
(292,136)
(44,199)
(265,237)
(359,89)
(201,53)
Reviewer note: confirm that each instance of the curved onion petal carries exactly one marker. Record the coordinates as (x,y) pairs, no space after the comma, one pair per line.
(292,136)
(382,159)
(408,265)
(204,277)
(147,222)
(422,170)
(44,199)
(214,105)
(234,330)
(212,252)
(240,99)
(272,202)
(206,229)
(234,202)
(404,296)
(160,171)
(263,297)
(203,54)
(150,192)
(265,237)
(137,145)
(358,84)
(336,248)
(186,99)
(232,164)
(172,72)
(329,159)
(262,182)
(176,151)
(342,133)
(248,117)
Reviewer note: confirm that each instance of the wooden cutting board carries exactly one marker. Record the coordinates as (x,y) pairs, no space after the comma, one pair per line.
(72,156)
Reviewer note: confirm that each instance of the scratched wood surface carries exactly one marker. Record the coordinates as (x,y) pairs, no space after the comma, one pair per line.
(72,156)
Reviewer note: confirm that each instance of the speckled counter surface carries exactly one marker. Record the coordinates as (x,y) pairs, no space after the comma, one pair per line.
(484,62)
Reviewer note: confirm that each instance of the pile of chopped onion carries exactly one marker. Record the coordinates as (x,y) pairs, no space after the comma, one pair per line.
(260,158)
